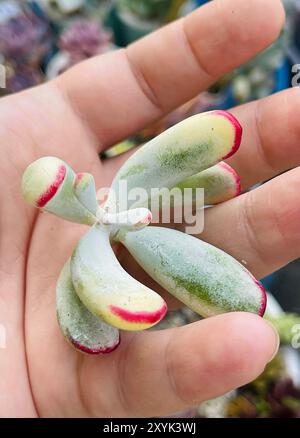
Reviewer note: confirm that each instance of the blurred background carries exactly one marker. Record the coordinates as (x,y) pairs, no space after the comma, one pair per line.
(39,39)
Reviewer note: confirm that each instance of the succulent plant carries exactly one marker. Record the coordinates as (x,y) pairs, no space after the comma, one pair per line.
(96,297)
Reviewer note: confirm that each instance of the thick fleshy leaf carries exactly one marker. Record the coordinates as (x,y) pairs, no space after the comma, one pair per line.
(220,183)
(107,290)
(206,279)
(85,331)
(48,183)
(187,148)
(85,190)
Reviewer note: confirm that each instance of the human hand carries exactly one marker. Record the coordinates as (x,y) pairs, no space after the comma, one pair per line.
(89,108)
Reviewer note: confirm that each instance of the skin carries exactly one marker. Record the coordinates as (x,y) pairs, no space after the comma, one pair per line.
(87,109)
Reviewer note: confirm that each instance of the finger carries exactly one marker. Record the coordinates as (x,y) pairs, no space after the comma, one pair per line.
(121,92)
(160,373)
(270,143)
(260,228)
(271,137)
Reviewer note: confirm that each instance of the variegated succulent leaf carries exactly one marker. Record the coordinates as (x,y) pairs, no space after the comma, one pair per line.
(191,146)
(203,277)
(82,329)
(220,183)
(85,191)
(51,185)
(212,186)
(107,290)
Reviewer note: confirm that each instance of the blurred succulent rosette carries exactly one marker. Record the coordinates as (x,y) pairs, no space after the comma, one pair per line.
(81,39)
(84,38)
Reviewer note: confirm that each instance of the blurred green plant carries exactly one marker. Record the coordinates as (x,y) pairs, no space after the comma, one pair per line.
(284,325)
(160,10)
(271,395)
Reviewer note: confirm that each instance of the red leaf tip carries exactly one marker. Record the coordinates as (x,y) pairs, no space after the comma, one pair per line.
(94,351)
(140,317)
(52,189)
(238,131)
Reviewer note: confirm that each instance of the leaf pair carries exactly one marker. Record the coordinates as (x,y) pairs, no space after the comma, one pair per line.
(51,185)
(190,147)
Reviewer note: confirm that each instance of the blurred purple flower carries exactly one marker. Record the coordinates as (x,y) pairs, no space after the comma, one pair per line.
(25,37)
(84,38)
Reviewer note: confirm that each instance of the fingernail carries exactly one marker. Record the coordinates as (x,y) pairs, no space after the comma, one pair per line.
(276,341)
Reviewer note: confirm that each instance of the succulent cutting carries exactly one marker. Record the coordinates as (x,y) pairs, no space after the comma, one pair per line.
(96,297)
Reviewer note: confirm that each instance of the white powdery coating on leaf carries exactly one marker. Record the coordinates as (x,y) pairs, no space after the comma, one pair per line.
(218,182)
(205,278)
(187,148)
(38,177)
(65,204)
(77,323)
(85,190)
(101,282)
